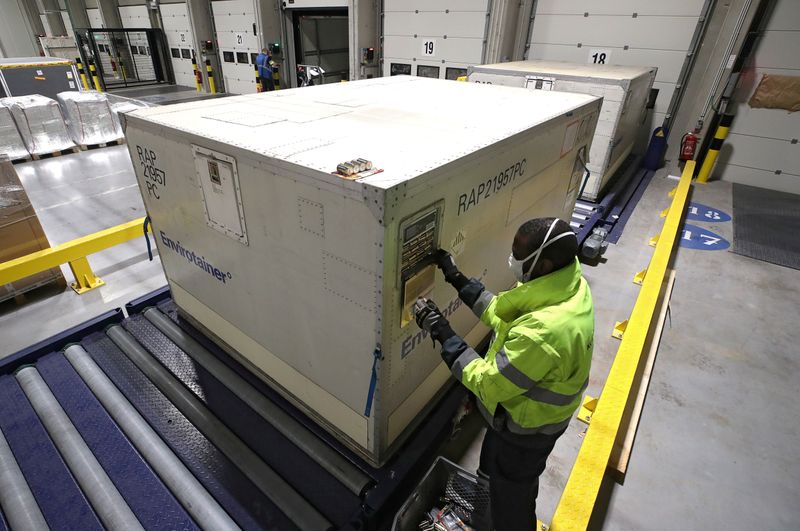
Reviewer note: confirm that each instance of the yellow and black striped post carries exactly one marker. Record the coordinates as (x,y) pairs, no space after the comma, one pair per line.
(259,88)
(82,74)
(276,77)
(95,79)
(197,77)
(713,149)
(212,87)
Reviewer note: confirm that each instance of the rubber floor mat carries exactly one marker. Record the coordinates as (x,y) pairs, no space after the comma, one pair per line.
(766,225)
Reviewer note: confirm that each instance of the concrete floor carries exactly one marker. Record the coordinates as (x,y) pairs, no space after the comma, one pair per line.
(165,94)
(75,195)
(716,446)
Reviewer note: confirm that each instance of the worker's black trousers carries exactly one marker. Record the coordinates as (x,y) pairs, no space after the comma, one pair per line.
(266,84)
(514,464)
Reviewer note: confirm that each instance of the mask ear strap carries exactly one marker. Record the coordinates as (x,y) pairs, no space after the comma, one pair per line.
(538,251)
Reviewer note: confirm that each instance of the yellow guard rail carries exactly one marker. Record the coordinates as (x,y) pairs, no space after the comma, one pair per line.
(578,500)
(73,253)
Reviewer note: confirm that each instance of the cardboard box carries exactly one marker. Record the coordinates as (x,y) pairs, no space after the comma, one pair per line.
(20,232)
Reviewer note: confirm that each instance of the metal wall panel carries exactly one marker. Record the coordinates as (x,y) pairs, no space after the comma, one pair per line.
(67,23)
(435,5)
(630,32)
(95,20)
(460,53)
(175,19)
(134,16)
(235,22)
(660,33)
(470,24)
(16,36)
(782,182)
(760,141)
(620,7)
(137,17)
(314,4)
(766,153)
(456,30)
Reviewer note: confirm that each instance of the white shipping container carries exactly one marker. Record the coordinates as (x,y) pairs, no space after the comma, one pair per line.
(307,276)
(624,89)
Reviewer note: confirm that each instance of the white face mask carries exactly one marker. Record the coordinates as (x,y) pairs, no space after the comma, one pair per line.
(516,265)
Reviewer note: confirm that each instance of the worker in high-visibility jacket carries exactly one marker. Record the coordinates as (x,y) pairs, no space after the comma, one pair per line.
(530,381)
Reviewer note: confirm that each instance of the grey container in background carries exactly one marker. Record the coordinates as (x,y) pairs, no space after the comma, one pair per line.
(40,123)
(624,89)
(89,117)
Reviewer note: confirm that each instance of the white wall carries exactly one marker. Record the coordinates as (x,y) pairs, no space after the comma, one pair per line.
(95,19)
(658,35)
(67,23)
(759,149)
(16,35)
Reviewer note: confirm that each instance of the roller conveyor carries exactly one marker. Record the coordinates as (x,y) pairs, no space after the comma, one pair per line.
(142,422)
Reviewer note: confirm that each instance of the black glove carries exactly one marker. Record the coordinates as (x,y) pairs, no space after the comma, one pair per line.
(452,275)
(430,319)
(469,289)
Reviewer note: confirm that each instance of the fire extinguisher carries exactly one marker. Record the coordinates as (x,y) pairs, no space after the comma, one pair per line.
(688,145)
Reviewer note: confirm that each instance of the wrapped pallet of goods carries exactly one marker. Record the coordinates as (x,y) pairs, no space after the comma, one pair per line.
(11,143)
(40,123)
(90,119)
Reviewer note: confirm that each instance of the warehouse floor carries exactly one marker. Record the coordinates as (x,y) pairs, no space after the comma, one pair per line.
(715,445)
(75,195)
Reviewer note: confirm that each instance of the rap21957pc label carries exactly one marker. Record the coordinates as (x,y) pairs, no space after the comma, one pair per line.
(491,186)
(154,178)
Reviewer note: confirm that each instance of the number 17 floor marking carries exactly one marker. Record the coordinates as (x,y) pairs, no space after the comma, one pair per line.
(694,237)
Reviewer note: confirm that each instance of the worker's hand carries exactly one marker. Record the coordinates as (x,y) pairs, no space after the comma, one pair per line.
(430,319)
(452,275)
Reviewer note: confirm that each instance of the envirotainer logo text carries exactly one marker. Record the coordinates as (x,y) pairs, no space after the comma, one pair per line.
(196,259)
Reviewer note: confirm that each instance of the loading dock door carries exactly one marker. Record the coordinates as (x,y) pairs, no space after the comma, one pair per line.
(135,17)
(433,38)
(235,23)
(175,18)
(321,39)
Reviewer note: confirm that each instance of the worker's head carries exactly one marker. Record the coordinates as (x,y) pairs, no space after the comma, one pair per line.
(541,246)
(264,50)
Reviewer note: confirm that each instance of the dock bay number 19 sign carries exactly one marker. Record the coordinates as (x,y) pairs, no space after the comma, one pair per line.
(429,47)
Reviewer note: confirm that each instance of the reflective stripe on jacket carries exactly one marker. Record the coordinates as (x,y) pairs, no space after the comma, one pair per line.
(537,366)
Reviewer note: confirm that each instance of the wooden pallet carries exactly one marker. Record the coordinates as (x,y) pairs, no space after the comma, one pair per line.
(86,147)
(55,153)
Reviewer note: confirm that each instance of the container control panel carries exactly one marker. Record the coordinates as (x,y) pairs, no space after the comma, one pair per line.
(539,82)
(419,238)
(218,181)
